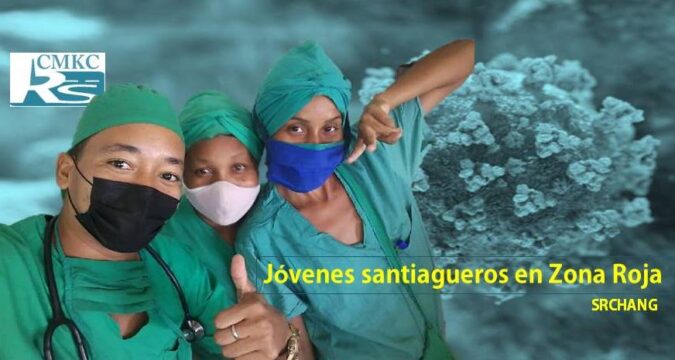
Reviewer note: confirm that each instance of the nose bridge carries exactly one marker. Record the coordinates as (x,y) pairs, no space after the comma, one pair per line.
(314,136)
(146,176)
(223,174)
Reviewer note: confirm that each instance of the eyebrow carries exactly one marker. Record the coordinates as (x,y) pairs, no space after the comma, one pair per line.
(173,161)
(237,153)
(120,147)
(134,150)
(325,121)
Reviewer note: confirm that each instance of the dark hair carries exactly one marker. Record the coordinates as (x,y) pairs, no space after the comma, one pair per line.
(76,150)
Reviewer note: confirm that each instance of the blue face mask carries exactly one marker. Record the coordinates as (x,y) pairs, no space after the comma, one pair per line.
(302,167)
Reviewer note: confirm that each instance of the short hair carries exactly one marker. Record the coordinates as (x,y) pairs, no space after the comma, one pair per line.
(76,150)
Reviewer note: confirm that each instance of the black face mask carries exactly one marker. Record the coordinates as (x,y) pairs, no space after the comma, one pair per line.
(124,217)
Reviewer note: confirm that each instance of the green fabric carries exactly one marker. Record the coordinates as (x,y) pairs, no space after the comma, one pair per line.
(107,286)
(302,73)
(212,113)
(342,325)
(25,302)
(435,347)
(317,147)
(126,104)
(187,228)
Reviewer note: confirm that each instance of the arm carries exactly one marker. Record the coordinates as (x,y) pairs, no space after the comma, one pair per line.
(432,78)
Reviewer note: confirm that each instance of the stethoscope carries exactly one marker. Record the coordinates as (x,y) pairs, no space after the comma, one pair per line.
(192,330)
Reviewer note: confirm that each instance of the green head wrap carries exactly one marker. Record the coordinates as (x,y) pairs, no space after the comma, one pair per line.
(301,74)
(212,113)
(125,104)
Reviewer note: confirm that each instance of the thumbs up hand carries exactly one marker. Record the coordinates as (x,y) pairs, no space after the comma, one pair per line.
(251,329)
(240,277)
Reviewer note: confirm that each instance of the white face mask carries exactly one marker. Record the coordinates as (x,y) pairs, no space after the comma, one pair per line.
(222,202)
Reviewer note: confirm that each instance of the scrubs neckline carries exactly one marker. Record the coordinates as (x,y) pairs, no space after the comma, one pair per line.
(363,244)
(190,232)
(155,318)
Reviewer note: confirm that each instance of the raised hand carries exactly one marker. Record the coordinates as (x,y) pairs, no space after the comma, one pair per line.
(375,124)
(251,329)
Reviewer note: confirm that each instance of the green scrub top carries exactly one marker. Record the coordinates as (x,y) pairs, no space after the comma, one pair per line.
(91,289)
(355,321)
(188,228)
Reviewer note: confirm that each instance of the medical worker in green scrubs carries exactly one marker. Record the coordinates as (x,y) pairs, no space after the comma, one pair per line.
(96,282)
(221,183)
(333,202)
(220,177)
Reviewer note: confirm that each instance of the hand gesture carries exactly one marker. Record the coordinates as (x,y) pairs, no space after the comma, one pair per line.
(251,329)
(375,124)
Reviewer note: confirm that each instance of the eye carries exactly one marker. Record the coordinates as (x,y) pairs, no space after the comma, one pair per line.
(203,172)
(239,167)
(170,177)
(120,164)
(330,129)
(295,129)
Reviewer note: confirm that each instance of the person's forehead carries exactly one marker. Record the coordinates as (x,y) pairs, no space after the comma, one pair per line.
(320,104)
(136,138)
(218,146)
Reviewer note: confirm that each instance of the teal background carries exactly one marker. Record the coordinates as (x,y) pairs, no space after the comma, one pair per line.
(182,47)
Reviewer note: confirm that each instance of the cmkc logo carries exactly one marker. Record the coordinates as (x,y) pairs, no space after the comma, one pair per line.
(55,79)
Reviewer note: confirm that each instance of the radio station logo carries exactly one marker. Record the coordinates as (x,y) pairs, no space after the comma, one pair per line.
(55,79)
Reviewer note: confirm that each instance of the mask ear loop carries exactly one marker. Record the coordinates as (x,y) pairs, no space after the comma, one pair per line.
(79,171)
(70,199)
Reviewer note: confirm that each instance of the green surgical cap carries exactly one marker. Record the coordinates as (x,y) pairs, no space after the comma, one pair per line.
(212,113)
(302,73)
(126,104)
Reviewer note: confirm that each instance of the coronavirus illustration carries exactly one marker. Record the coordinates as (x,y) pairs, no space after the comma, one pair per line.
(520,163)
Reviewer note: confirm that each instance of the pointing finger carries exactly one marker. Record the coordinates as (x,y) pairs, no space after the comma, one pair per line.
(359,148)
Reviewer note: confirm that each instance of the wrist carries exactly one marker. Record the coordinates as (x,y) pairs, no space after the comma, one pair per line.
(291,350)
(384,101)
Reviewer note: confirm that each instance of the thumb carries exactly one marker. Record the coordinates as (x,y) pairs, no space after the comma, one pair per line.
(240,277)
